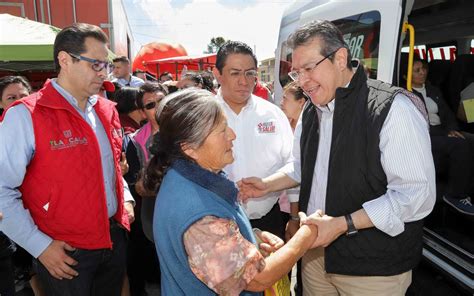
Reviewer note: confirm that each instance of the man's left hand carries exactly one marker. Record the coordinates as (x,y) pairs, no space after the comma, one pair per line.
(329,228)
(128,205)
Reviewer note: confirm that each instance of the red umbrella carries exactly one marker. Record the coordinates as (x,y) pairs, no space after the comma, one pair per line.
(155,51)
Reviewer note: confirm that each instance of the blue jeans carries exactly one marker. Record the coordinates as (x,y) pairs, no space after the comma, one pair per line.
(101,271)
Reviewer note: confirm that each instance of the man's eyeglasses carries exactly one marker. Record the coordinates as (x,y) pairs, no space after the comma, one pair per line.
(97,65)
(150,105)
(296,75)
(249,74)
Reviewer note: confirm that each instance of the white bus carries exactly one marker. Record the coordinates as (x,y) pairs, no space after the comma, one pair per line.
(374,31)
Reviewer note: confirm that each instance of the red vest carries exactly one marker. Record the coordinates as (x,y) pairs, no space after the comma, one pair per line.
(63,186)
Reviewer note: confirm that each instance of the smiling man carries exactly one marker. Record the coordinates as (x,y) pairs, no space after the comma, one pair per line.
(264,136)
(62,193)
(366,171)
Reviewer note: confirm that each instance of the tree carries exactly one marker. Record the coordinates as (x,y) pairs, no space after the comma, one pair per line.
(214,45)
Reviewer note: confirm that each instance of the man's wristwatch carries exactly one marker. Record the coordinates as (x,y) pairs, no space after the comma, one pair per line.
(351,230)
(294,218)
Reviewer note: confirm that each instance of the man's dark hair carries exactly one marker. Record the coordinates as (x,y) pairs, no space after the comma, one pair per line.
(150,87)
(203,78)
(232,47)
(111,94)
(325,31)
(72,40)
(7,80)
(121,59)
(127,99)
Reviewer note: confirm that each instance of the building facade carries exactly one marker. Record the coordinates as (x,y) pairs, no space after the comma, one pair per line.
(107,14)
(266,70)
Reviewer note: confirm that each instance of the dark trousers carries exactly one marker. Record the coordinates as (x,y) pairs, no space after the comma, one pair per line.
(7,280)
(142,261)
(101,272)
(272,222)
(452,157)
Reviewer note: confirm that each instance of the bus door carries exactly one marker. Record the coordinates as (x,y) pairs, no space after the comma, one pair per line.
(371,28)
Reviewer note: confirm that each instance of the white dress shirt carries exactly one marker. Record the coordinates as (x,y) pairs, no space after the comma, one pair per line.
(263,145)
(406,159)
(431,106)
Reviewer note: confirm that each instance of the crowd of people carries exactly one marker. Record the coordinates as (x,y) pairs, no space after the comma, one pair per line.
(112,182)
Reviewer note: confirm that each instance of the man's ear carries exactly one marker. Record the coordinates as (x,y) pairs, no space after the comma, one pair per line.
(64,59)
(189,151)
(217,74)
(341,58)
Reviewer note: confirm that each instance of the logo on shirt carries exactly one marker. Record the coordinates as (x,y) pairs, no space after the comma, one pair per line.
(69,141)
(266,127)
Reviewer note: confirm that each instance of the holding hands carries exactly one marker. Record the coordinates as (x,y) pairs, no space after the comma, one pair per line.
(329,228)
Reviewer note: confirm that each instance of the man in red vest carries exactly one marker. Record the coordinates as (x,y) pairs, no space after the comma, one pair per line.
(62,193)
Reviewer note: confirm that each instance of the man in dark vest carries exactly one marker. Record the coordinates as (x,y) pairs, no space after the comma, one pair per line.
(62,193)
(364,162)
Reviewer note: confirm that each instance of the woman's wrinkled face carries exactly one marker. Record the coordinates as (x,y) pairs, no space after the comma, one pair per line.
(11,93)
(216,151)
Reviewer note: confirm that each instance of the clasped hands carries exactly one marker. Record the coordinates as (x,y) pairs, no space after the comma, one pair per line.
(329,228)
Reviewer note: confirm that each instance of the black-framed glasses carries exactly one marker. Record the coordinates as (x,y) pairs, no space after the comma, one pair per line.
(296,75)
(150,105)
(97,65)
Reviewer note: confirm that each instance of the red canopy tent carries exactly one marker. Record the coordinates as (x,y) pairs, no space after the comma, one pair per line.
(176,65)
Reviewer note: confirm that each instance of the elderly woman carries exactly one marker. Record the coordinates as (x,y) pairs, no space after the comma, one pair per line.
(204,240)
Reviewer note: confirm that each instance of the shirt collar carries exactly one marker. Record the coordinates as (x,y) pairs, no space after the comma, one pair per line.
(250,102)
(91,101)
(329,107)
(217,183)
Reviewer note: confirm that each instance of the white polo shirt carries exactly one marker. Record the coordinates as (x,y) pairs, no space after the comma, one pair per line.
(263,145)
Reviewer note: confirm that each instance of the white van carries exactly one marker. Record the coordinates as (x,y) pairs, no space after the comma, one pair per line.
(444,32)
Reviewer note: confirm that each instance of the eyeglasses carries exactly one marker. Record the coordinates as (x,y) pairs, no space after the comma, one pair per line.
(97,65)
(150,105)
(249,74)
(296,75)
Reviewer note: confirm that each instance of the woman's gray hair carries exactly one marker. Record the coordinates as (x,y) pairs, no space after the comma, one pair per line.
(325,31)
(186,118)
(197,111)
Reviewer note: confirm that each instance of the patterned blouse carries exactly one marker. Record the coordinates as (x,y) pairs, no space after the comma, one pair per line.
(220,256)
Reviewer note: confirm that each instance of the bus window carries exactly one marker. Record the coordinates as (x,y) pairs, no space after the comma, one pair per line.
(361,33)
(442,53)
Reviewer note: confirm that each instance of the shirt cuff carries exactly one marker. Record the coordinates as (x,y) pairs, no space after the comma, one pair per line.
(293,194)
(127,195)
(37,243)
(382,216)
